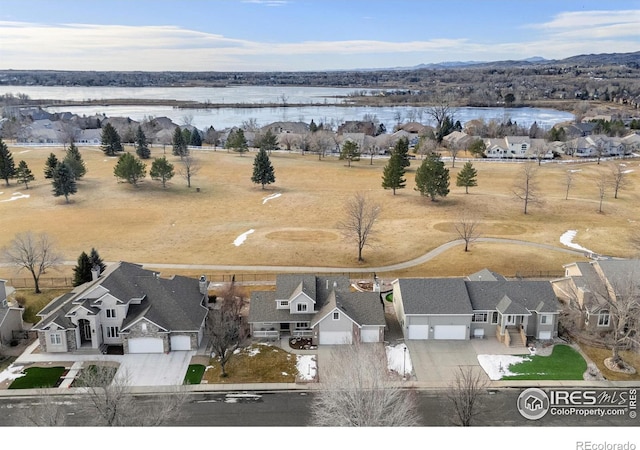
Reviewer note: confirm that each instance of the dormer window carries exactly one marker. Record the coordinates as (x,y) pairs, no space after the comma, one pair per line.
(336,315)
(283,304)
(302,307)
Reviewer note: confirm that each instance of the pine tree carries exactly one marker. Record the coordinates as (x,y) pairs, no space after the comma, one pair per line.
(195,139)
(75,162)
(432,178)
(402,148)
(7,166)
(162,170)
(467,177)
(23,174)
(179,144)
(95,260)
(64,182)
(142,146)
(269,141)
(237,142)
(350,152)
(130,169)
(50,165)
(263,172)
(393,173)
(110,140)
(82,270)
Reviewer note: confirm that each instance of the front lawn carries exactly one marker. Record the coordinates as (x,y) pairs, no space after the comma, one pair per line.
(38,377)
(194,374)
(564,363)
(258,363)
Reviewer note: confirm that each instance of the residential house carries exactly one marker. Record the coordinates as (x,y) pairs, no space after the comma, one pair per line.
(323,309)
(458,139)
(128,306)
(596,145)
(10,315)
(587,285)
(517,147)
(481,305)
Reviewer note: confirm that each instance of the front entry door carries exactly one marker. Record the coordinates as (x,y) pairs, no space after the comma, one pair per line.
(85,331)
(511,319)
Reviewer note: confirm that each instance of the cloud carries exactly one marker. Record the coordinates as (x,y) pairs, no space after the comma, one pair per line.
(274,3)
(592,25)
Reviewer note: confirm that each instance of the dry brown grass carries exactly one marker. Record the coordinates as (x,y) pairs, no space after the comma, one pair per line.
(179,225)
(598,355)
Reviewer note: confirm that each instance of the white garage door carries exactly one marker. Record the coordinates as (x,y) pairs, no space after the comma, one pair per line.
(145,345)
(180,343)
(335,337)
(418,331)
(544,335)
(370,335)
(450,332)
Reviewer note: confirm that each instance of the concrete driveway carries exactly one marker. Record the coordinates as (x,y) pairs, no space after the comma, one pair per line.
(149,369)
(438,361)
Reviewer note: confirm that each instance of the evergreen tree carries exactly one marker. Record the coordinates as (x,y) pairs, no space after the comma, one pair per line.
(186,136)
(82,270)
(64,182)
(195,139)
(75,162)
(142,145)
(393,173)
(179,144)
(162,170)
(269,142)
(237,142)
(432,178)
(477,148)
(50,165)
(313,127)
(95,260)
(110,140)
(350,152)
(467,177)
(402,149)
(263,172)
(23,174)
(130,169)
(7,166)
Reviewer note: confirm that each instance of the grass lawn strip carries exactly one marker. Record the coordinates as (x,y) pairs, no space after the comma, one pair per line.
(194,374)
(564,363)
(38,377)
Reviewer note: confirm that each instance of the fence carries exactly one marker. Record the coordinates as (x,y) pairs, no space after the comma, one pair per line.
(45,283)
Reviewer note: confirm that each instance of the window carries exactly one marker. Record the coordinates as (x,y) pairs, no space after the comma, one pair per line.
(283,303)
(112,332)
(480,317)
(111,313)
(545,319)
(302,307)
(55,338)
(302,324)
(336,315)
(603,318)
(494,317)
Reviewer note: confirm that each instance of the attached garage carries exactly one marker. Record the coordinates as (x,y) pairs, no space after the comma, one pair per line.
(145,345)
(453,332)
(180,343)
(370,334)
(335,337)
(418,331)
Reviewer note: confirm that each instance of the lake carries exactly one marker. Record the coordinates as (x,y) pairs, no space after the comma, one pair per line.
(319,105)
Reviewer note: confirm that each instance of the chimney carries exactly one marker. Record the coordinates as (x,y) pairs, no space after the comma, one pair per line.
(204,285)
(95,272)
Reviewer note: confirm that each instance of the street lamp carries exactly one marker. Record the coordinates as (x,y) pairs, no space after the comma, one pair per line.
(404,362)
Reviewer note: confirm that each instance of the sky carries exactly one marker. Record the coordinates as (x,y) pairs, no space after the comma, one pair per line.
(304,35)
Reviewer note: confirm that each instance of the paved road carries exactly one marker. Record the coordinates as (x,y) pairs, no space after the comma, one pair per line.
(321,269)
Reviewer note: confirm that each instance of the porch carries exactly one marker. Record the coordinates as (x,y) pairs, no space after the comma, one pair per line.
(511,329)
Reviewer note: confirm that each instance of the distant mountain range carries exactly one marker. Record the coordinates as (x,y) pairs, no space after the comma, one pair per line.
(632,59)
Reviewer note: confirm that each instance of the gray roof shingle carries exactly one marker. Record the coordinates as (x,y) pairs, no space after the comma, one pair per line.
(435,296)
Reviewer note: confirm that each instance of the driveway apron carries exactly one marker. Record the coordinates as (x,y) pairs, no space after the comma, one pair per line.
(149,369)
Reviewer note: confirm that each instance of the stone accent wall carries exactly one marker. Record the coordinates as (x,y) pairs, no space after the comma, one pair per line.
(152,331)
(70,335)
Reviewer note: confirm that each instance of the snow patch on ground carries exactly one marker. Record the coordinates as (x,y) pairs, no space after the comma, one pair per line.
(243,237)
(306,365)
(253,351)
(497,366)
(567,240)
(398,359)
(24,151)
(270,197)
(11,373)
(574,170)
(627,171)
(16,196)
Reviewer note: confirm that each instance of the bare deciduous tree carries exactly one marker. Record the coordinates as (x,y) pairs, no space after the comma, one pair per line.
(468,229)
(361,214)
(359,391)
(44,412)
(568,182)
(464,394)
(189,167)
(602,184)
(33,253)
(618,178)
(226,326)
(526,187)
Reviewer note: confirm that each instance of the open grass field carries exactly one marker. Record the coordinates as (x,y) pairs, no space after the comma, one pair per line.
(177,225)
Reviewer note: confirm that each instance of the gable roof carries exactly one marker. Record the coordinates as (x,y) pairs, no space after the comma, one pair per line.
(530,295)
(363,308)
(435,296)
